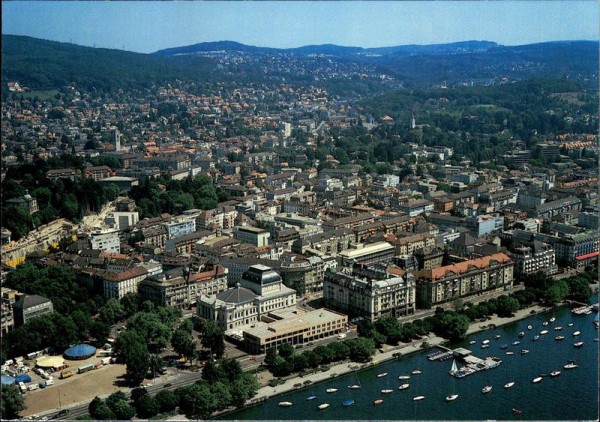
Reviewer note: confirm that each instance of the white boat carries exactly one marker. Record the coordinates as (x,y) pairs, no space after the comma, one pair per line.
(545,323)
(524,351)
(497,336)
(544,332)
(510,353)
(404,377)
(576,333)
(578,344)
(454,368)
(536,380)
(509,384)
(354,387)
(516,343)
(418,398)
(311,398)
(485,342)
(522,334)
(597,320)
(416,372)
(559,338)
(570,324)
(571,365)
(323,406)
(403,386)
(331,390)
(378,401)
(552,319)
(285,403)
(387,391)
(485,346)
(451,397)
(529,327)
(472,342)
(554,373)
(382,375)
(486,389)
(557,328)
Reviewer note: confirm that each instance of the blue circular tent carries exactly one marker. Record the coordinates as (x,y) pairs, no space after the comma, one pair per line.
(80,351)
(23,378)
(7,380)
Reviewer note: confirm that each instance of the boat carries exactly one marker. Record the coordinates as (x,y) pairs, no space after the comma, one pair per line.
(596,320)
(418,398)
(576,333)
(543,332)
(285,403)
(554,373)
(403,386)
(596,339)
(536,380)
(570,324)
(509,384)
(451,397)
(331,390)
(416,372)
(522,334)
(454,368)
(524,351)
(545,323)
(517,411)
(535,338)
(578,344)
(557,328)
(378,401)
(311,398)
(497,336)
(504,346)
(485,342)
(559,338)
(552,319)
(472,342)
(354,387)
(529,327)
(516,343)
(510,353)
(571,365)
(404,377)
(323,406)
(387,391)
(486,389)
(347,403)
(485,346)
(383,374)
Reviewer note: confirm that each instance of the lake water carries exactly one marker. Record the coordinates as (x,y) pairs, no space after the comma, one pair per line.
(573,395)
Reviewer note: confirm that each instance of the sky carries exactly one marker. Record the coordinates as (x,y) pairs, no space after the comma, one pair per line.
(146,27)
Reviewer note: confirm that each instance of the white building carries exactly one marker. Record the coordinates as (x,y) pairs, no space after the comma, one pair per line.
(106,240)
(120,220)
(180,227)
(252,235)
(259,292)
(530,260)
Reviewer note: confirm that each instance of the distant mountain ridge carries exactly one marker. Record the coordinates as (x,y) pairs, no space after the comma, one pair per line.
(332,49)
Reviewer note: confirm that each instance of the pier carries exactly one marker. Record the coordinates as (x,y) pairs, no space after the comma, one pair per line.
(473,364)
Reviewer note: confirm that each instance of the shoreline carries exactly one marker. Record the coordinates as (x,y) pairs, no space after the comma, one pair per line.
(390,353)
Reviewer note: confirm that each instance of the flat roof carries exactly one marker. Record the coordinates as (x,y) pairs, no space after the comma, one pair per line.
(294,323)
(375,247)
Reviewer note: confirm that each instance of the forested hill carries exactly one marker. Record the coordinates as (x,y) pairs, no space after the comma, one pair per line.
(40,64)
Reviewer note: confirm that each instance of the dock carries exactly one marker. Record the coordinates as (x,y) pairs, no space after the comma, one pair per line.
(472,364)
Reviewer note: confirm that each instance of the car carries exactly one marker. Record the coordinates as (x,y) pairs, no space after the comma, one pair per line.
(167,385)
(63,412)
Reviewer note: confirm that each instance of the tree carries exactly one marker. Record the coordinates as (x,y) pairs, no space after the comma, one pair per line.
(147,407)
(361,349)
(183,343)
(506,306)
(167,400)
(130,303)
(579,289)
(212,337)
(270,356)
(197,402)
(243,389)
(286,351)
(137,361)
(138,394)
(104,413)
(94,406)
(231,369)
(112,312)
(123,410)
(221,394)
(12,402)
(556,292)
(152,327)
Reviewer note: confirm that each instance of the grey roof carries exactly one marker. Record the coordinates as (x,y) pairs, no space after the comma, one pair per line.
(237,294)
(31,300)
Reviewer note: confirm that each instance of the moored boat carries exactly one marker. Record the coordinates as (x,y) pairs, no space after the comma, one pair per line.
(559,338)
(347,403)
(382,375)
(543,332)
(497,336)
(378,401)
(418,398)
(521,333)
(285,403)
(323,406)
(509,384)
(517,411)
(485,346)
(387,391)
(571,365)
(536,380)
(454,368)
(311,398)
(557,328)
(404,377)
(516,343)
(576,333)
(403,386)
(529,327)
(545,323)
(535,338)
(354,387)
(331,390)
(524,351)
(554,373)
(486,389)
(416,372)
(510,353)
(472,342)
(485,342)
(552,319)
(451,397)
(578,344)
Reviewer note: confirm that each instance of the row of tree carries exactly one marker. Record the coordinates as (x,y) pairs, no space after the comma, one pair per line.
(285,360)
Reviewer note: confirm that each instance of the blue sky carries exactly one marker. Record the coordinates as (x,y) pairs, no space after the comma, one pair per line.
(149,26)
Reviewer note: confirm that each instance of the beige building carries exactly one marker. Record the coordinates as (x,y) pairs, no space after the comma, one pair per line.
(293,327)
(252,235)
(368,298)
(409,244)
(443,284)
(118,284)
(259,292)
(369,254)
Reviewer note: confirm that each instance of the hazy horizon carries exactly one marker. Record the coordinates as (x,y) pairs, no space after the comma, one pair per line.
(146,27)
